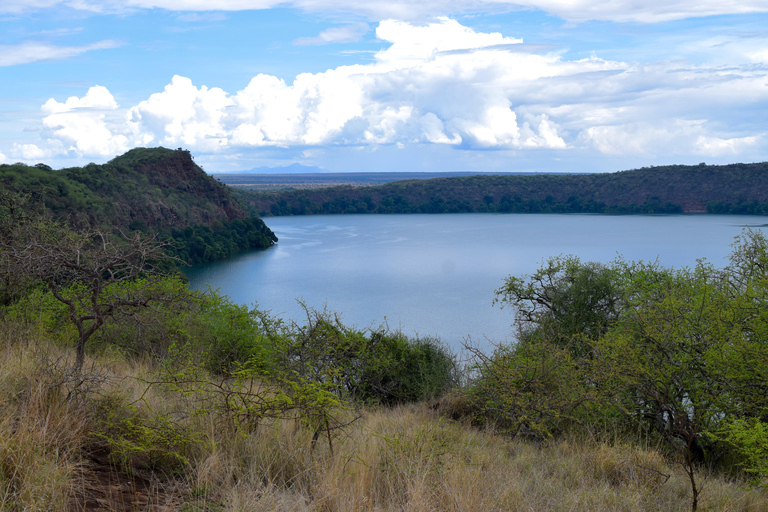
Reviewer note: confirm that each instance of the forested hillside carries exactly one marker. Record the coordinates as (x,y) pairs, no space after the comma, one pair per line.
(150,190)
(736,188)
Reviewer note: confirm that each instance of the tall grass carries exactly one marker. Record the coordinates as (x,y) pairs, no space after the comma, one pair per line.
(405,458)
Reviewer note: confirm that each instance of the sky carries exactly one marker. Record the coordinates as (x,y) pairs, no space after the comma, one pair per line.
(387,85)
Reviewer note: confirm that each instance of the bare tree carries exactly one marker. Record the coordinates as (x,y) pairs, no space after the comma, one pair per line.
(82,269)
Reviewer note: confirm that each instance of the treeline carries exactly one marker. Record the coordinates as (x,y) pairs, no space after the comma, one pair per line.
(753,207)
(436,204)
(669,189)
(154,190)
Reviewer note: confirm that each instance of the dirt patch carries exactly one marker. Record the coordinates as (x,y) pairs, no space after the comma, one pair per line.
(106,488)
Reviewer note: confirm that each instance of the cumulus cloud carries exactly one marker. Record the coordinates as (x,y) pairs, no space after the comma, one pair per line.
(346,34)
(3,158)
(181,114)
(12,55)
(649,11)
(82,126)
(438,83)
(31,152)
(716,146)
(396,100)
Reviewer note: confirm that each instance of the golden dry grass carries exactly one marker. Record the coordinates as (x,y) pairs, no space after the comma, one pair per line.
(407,458)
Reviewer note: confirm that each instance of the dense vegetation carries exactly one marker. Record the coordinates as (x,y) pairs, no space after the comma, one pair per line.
(148,190)
(677,354)
(736,188)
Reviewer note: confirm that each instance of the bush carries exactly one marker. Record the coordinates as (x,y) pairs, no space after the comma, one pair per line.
(533,389)
(375,365)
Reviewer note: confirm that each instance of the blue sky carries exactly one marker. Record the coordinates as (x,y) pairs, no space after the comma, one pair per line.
(540,85)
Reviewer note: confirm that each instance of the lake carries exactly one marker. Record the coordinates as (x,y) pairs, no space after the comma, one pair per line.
(435,275)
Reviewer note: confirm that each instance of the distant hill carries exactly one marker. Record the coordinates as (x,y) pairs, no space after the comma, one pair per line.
(735,188)
(153,190)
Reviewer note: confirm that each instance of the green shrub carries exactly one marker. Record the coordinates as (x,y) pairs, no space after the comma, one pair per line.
(375,365)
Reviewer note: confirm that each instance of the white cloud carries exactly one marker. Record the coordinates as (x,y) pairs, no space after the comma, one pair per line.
(16,6)
(346,34)
(760,55)
(444,84)
(416,43)
(181,115)
(12,55)
(81,125)
(674,137)
(30,152)
(716,146)
(425,87)
(97,97)
(3,158)
(649,11)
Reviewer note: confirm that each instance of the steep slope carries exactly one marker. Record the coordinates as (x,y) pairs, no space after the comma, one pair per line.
(157,189)
(153,187)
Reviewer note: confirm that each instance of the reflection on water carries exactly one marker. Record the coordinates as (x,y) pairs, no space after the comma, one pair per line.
(436,274)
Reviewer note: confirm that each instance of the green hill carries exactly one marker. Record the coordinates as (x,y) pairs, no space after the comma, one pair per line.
(736,188)
(152,190)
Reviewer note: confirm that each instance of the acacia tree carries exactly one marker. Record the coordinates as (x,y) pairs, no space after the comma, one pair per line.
(680,351)
(566,302)
(81,269)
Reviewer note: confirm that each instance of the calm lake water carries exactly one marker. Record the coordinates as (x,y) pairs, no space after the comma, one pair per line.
(436,274)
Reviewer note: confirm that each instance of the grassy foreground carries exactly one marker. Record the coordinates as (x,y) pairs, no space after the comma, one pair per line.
(121,443)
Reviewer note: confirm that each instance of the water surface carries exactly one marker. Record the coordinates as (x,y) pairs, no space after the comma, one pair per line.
(436,274)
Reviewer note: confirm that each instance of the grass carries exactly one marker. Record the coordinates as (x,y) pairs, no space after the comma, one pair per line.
(163,451)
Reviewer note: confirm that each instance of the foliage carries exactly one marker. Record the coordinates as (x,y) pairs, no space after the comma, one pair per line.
(748,438)
(135,439)
(375,365)
(566,302)
(81,269)
(220,240)
(736,188)
(207,330)
(676,352)
(534,389)
(153,191)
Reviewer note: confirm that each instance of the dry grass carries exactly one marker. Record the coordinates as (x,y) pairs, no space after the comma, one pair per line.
(40,435)
(406,459)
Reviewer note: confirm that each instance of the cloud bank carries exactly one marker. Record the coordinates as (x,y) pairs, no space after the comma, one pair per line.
(439,83)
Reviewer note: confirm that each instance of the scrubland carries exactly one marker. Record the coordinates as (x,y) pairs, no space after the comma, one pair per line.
(120,439)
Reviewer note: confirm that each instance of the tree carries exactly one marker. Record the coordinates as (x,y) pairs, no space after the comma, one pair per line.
(81,268)
(681,352)
(566,302)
